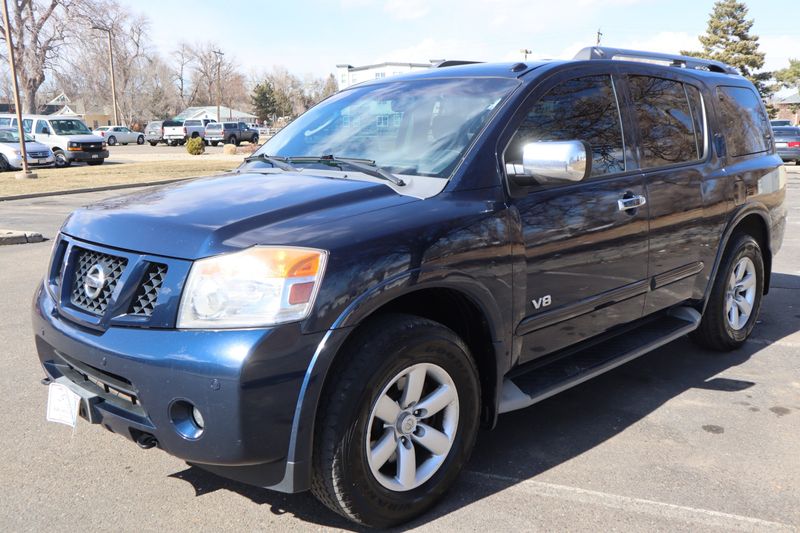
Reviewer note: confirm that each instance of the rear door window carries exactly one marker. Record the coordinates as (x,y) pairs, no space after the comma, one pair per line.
(744,124)
(582,109)
(666,122)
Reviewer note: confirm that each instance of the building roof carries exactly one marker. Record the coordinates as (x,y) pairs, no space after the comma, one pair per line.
(790,99)
(211,110)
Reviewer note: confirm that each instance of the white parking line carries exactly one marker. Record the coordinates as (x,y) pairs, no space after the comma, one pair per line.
(725,521)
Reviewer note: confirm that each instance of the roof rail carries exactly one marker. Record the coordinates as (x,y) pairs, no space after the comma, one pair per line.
(454,63)
(697,63)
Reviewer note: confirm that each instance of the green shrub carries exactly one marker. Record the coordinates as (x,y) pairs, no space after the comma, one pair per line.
(195,146)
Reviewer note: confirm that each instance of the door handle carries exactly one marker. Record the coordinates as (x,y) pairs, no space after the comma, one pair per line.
(631,202)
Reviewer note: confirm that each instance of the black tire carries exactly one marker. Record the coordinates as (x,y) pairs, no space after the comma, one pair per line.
(60,159)
(173,143)
(140,139)
(153,143)
(124,144)
(254,140)
(182,142)
(111,141)
(4,166)
(715,331)
(214,143)
(380,351)
(95,163)
(233,140)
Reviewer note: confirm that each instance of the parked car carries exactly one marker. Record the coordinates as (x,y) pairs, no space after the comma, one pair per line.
(780,122)
(231,133)
(119,134)
(787,142)
(188,129)
(154,132)
(427,253)
(38,155)
(68,138)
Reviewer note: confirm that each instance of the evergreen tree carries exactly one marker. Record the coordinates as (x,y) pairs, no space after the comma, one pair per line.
(790,76)
(264,101)
(728,39)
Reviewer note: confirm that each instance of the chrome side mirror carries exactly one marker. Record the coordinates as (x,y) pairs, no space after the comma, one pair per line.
(548,162)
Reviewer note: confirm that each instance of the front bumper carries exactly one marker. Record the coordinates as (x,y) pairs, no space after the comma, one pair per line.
(244,382)
(86,156)
(16,162)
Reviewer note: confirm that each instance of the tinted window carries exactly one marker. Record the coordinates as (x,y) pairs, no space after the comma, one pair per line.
(786,131)
(193,123)
(172,123)
(743,121)
(698,117)
(214,126)
(581,109)
(230,125)
(666,128)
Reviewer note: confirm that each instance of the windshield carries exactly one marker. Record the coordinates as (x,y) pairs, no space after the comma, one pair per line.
(69,126)
(12,136)
(418,127)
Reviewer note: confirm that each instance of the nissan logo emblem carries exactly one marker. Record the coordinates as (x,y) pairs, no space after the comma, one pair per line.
(95,281)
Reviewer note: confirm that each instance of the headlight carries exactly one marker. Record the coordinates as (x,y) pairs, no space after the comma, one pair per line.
(18,153)
(73,144)
(260,286)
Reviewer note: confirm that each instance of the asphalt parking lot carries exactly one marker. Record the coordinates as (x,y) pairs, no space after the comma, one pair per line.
(679,439)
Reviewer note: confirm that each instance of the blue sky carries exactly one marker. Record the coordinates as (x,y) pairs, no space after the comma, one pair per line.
(313,36)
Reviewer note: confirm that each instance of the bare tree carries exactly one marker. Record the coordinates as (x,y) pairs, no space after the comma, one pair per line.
(39,31)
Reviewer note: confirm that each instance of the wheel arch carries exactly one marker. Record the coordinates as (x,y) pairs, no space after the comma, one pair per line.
(751,219)
(477,318)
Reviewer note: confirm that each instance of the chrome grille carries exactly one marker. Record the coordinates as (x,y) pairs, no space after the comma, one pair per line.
(145,300)
(38,155)
(85,260)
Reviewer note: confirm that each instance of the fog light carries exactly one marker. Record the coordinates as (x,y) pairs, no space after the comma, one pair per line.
(198,418)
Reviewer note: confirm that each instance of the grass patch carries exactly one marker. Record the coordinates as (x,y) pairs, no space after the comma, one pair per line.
(83,176)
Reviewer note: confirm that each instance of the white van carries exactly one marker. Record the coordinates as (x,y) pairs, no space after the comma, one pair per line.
(68,137)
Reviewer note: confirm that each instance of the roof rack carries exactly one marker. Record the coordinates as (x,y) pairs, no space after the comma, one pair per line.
(454,63)
(621,54)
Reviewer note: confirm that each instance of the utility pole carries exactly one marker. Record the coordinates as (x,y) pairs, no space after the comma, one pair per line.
(111,68)
(219,54)
(599,36)
(525,53)
(26,173)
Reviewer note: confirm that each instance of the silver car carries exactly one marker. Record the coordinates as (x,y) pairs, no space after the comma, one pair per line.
(119,135)
(39,155)
(787,143)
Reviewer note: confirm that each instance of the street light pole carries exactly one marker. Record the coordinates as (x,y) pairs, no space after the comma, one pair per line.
(219,54)
(111,68)
(26,173)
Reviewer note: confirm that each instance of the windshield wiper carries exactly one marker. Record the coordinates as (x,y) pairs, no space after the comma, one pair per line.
(280,163)
(367,166)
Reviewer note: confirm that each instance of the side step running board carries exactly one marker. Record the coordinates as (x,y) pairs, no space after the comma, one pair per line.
(545,381)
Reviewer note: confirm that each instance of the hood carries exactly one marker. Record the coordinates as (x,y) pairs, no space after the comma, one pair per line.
(83,138)
(30,146)
(208,216)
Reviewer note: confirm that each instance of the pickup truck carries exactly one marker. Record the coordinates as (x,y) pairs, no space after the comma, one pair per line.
(178,132)
(230,133)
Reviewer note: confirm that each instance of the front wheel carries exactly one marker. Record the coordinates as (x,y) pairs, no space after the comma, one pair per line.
(95,163)
(732,308)
(140,139)
(60,159)
(397,421)
(112,141)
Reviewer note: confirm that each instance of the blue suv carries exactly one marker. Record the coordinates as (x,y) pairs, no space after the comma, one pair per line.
(411,258)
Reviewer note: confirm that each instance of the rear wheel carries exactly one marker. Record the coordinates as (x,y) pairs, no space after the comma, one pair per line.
(254,140)
(397,421)
(153,143)
(735,300)
(214,143)
(140,139)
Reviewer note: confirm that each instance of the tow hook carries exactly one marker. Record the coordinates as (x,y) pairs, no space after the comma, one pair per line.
(146,441)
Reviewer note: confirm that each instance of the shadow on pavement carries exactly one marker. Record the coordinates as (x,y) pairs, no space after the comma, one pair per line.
(529,442)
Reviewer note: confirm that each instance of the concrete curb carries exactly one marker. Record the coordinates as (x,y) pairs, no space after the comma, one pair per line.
(91,189)
(10,236)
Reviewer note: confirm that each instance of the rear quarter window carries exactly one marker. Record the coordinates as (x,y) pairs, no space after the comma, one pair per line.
(743,122)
